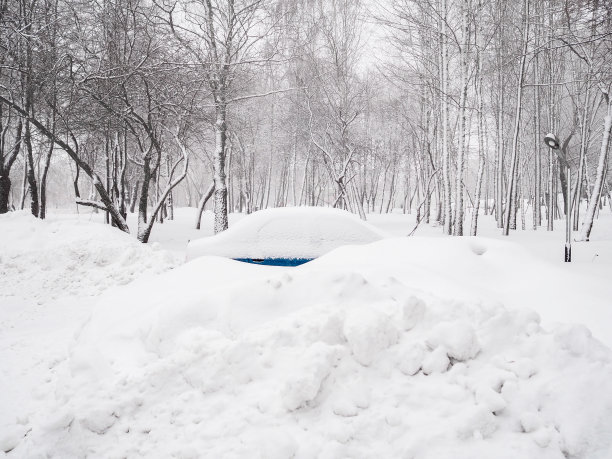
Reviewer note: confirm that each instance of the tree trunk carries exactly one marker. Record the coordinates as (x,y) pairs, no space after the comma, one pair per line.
(511,195)
(33,186)
(5,189)
(24,183)
(43,183)
(499,172)
(537,192)
(6,163)
(481,153)
(144,193)
(144,231)
(205,197)
(219,178)
(134,196)
(459,210)
(552,196)
(585,131)
(587,226)
(170,199)
(75,182)
(445,110)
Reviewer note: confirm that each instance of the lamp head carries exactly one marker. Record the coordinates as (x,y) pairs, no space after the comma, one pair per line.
(552,141)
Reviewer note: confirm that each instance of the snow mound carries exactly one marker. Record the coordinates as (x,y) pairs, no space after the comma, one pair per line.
(223,359)
(473,269)
(44,260)
(287,232)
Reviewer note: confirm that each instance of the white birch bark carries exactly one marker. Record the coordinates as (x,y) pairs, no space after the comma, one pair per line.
(537,192)
(511,192)
(499,172)
(219,178)
(458,224)
(589,217)
(445,150)
(481,152)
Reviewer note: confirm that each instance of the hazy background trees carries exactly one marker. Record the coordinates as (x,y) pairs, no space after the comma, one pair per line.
(436,107)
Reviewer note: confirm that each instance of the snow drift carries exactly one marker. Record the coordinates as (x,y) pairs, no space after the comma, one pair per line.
(54,258)
(338,358)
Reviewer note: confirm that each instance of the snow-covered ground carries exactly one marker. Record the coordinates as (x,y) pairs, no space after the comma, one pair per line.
(422,347)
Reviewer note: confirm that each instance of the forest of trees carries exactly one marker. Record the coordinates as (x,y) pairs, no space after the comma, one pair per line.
(437,107)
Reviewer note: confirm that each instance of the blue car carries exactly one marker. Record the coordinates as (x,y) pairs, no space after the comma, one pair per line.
(286,236)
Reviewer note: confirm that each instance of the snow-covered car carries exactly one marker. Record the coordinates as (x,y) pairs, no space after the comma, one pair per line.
(287,236)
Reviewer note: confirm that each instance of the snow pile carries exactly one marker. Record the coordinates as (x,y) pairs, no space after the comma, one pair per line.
(288,232)
(223,359)
(480,269)
(44,260)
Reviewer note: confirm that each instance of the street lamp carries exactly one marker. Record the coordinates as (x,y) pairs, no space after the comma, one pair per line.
(553,143)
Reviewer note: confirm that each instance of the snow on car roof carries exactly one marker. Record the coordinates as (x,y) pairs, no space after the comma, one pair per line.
(287,232)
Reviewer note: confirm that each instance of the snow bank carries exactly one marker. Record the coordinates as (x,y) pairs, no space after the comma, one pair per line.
(223,359)
(51,273)
(287,232)
(44,260)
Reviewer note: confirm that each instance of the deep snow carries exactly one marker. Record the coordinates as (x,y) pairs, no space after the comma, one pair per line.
(416,347)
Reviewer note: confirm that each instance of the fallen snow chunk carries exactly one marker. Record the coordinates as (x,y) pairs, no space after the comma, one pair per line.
(524,368)
(478,247)
(278,445)
(457,337)
(361,396)
(305,383)
(578,341)
(339,431)
(369,331)
(413,311)
(58,420)
(393,418)
(530,421)
(345,407)
(10,436)
(510,389)
(542,437)
(411,359)
(98,421)
(477,422)
(436,361)
(493,401)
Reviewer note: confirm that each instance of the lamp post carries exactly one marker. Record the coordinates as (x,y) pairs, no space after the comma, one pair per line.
(553,143)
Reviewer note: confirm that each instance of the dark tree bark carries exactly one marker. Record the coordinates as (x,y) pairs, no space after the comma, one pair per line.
(43,183)
(205,197)
(5,190)
(134,196)
(6,163)
(31,172)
